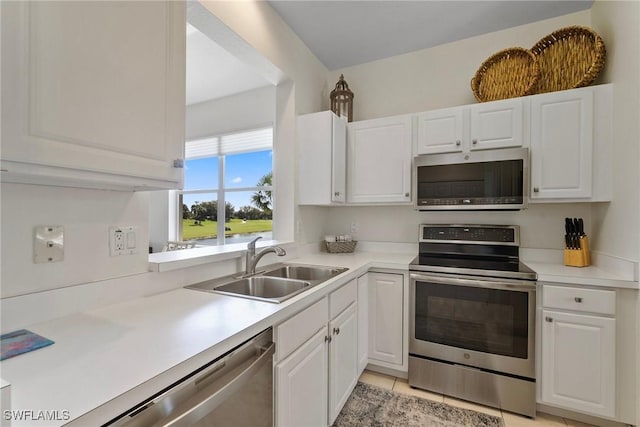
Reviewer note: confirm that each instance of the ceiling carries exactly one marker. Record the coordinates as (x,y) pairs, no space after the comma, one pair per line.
(214,73)
(346,33)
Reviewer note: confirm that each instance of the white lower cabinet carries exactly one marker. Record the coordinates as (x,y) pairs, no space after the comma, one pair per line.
(386,318)
(579,350)
(301,385)
(343,359)
(316,366)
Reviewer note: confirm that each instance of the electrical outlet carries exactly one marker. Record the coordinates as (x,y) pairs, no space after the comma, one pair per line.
(123,240)
(355,227)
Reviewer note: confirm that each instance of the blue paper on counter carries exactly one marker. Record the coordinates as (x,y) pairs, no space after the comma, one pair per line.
(22,341)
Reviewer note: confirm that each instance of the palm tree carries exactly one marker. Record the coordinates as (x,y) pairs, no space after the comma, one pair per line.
(262,199)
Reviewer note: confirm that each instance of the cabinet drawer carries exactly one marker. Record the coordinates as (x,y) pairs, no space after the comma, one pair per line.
(342,298)
(293,332)
(579,299)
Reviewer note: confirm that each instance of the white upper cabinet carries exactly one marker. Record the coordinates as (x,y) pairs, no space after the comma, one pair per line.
(498,124)
(570,145)
(93,94)
(379,160)
(441,131)
(322,139)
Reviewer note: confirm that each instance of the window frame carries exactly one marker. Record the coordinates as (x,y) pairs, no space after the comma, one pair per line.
(221,191)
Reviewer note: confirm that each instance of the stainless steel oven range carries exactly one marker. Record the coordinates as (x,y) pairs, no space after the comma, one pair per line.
(472,316)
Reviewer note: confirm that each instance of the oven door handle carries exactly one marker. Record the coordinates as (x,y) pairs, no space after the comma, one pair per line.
(509,285)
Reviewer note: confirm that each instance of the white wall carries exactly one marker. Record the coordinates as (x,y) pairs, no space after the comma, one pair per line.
(619,223)
(86,216)
(618,22)
(238,112)
(440,77)
(261,27)
(437,77)
(540,226)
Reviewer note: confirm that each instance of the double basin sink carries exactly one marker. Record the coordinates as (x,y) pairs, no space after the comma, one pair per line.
(275,283)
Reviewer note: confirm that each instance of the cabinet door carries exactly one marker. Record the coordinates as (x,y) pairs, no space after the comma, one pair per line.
(322,139)
(497,124)
(343,359)
(96,93)
(338,160)
(441,131)
(363,322)
(379,160)
(385,317)
(301,385)
(561,145)
(578,362)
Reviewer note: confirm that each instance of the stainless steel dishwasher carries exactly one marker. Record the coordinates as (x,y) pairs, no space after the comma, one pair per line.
(235,389)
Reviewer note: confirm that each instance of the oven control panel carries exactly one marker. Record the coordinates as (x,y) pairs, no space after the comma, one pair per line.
(477,234)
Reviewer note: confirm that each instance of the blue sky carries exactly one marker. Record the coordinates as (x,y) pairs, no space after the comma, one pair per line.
(242,170)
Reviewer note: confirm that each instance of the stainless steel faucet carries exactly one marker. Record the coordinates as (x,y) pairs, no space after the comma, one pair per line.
(251,258)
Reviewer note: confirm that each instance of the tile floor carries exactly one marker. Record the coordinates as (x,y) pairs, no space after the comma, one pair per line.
(510,420)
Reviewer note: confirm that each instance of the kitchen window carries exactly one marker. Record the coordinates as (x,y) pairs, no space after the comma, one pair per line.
(227,196)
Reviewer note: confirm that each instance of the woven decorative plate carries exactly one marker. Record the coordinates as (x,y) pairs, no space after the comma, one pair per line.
(569,58)
(509,73)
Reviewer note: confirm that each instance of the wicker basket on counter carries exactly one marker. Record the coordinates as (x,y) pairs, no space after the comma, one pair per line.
(340,247)
(506,74)
(569,58)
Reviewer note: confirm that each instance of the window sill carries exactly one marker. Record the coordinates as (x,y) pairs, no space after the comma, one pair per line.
(185,258)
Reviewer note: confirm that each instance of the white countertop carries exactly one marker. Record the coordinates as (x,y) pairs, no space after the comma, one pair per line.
(105,361)
(585,276)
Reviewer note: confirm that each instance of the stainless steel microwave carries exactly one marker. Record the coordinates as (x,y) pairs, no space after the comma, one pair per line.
(477,180)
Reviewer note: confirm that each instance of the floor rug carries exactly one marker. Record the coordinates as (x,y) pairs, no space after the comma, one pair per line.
(373,406)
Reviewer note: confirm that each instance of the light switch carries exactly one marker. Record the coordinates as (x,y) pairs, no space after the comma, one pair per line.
(131,240)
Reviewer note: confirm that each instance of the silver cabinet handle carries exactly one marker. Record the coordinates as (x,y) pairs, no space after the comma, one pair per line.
(548,319)
(406,194)
(474,142)
(536,190)
(458,142)
(577,299)
(327,339)
(336,331)
(337,193)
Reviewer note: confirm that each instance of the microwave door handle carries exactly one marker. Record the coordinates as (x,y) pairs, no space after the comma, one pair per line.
(211,402)
(476,283)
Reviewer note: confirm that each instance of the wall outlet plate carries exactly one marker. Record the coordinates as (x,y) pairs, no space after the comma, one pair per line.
(123,240)
(48,244)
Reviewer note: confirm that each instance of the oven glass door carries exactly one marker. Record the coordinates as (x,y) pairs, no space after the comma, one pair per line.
(487,320)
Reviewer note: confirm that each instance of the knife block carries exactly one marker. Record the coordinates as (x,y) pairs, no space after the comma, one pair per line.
(578,257)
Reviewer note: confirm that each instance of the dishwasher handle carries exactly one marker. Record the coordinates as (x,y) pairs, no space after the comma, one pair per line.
(211,402)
